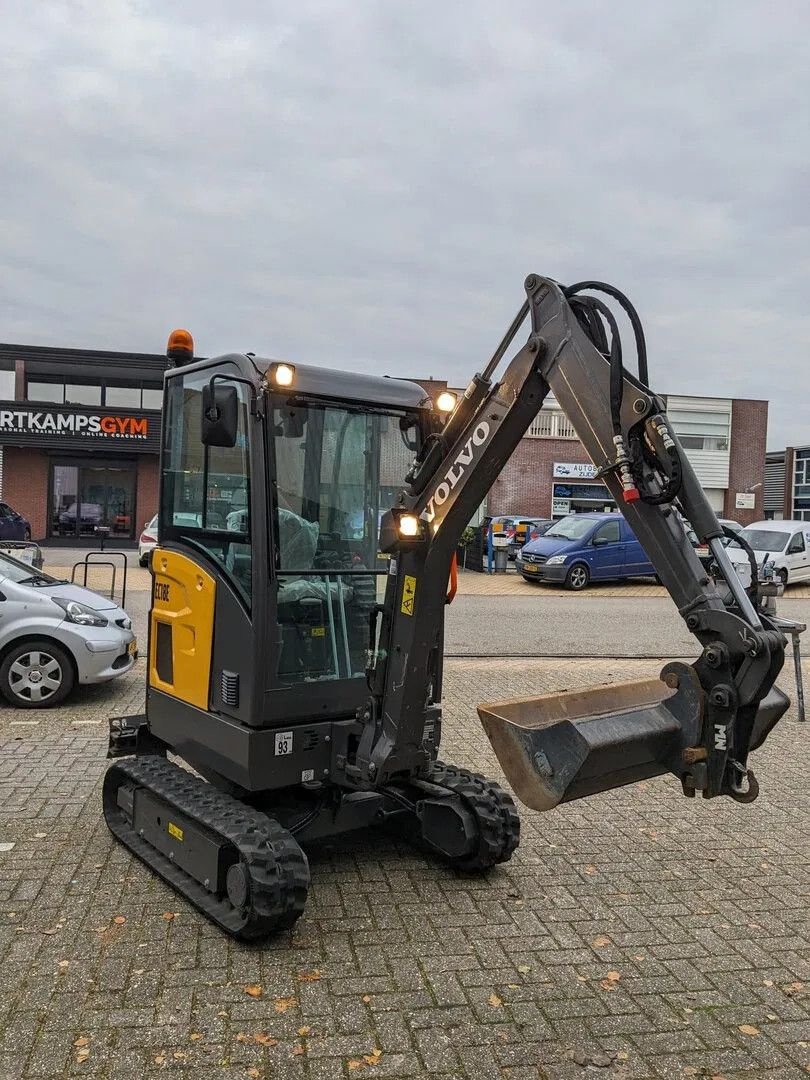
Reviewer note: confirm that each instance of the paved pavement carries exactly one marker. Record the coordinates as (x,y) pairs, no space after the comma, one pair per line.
(636,934)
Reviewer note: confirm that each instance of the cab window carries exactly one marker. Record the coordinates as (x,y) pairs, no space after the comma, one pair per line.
(337,470)
(796,545)
(206,489)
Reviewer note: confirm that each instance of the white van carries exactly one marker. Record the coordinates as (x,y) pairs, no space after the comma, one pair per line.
(786,544)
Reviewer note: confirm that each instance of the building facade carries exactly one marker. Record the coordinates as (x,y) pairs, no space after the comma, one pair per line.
(787,484)
(550,473)
(80,439)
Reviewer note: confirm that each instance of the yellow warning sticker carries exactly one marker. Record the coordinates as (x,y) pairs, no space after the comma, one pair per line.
(175,831)
(318,631)
(408,595)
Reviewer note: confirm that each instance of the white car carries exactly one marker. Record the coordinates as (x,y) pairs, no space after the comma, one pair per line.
(147,541)
(785,543)
(54,635)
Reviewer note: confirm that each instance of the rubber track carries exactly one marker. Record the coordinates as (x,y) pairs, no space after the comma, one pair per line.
(278,868)
(494,811)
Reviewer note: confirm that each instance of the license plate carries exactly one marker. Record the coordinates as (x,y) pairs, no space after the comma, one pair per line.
(529,568)
(132,648)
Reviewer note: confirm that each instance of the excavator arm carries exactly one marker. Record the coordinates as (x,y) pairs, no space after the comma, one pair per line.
(699,721)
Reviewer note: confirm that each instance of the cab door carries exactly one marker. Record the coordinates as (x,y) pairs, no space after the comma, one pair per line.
(607,551)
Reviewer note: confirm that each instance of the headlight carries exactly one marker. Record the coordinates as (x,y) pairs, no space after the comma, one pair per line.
(555,560)
(80,613)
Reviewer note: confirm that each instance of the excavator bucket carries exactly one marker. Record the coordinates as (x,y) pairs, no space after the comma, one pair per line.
(569,745)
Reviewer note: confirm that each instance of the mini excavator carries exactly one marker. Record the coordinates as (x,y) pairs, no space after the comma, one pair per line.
(308,525)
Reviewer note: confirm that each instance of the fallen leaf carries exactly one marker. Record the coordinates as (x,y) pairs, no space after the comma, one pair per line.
(373,1058)
(768,982)
(252,1072)
(748,1029)
(119,920)
(40,835)
(622,1055)
(55,930)
(81,1041)
(254,991)
(304,1030)
(99,929)
(179,1055)
(139,971)
(601,942)
(195,1036)
(355,1064)
(610,980)
(298,1050)
(309,976)
(282,1004)
(366,999)
(169,915)
(242,1037)
(63,964)
(590,870)
(159,1060)
(524,969)
(772,1016)
(495,1001)
(793,988)
(82,1056)
(263,1039)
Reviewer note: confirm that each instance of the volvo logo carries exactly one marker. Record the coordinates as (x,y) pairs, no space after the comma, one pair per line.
(457,470)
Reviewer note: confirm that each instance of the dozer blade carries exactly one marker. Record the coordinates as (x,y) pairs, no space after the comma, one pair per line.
(569,745)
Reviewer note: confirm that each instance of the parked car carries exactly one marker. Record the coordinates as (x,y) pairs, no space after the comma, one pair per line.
(13,526)
(147,541)
(703,551)
(90,515)
(582,548)
(785,543)
(54,635)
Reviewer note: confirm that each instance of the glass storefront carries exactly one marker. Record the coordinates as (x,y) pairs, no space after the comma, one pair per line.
(92,493)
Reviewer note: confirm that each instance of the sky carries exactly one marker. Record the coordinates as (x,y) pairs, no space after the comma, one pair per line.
(365,185)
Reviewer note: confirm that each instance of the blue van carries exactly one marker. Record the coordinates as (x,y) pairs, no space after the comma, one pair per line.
(582,548)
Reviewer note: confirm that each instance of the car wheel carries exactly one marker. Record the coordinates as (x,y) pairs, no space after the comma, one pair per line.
(36,675)
(578,577)
(144,560)
(783,576)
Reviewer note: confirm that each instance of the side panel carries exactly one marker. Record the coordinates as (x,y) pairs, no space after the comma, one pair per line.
(182,628)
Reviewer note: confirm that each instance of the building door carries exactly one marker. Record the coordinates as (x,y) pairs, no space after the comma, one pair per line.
(88,495)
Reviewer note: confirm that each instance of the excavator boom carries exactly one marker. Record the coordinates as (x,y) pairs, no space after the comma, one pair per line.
(698,721)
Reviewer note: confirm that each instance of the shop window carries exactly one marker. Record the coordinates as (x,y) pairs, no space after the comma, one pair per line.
(7,385)
(45,391)
(76,394)
(124,397)
(152,399)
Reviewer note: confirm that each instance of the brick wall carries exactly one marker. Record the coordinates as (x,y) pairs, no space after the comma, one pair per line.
(25,486)
(525,484)
(147,491)
(749,428)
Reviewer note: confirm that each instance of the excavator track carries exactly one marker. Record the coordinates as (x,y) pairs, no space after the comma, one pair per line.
(494,810)
(482,802)
(268,876)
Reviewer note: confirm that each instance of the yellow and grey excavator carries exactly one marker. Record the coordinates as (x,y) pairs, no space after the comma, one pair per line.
(308,524)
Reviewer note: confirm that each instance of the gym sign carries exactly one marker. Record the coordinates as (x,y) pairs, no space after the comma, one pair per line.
(57,423)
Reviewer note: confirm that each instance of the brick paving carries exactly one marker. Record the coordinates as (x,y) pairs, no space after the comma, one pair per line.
(635,935)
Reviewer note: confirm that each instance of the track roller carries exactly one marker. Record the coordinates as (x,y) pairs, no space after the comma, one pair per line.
(235,864)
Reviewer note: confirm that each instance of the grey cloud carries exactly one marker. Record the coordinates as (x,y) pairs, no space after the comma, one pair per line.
(366,185)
